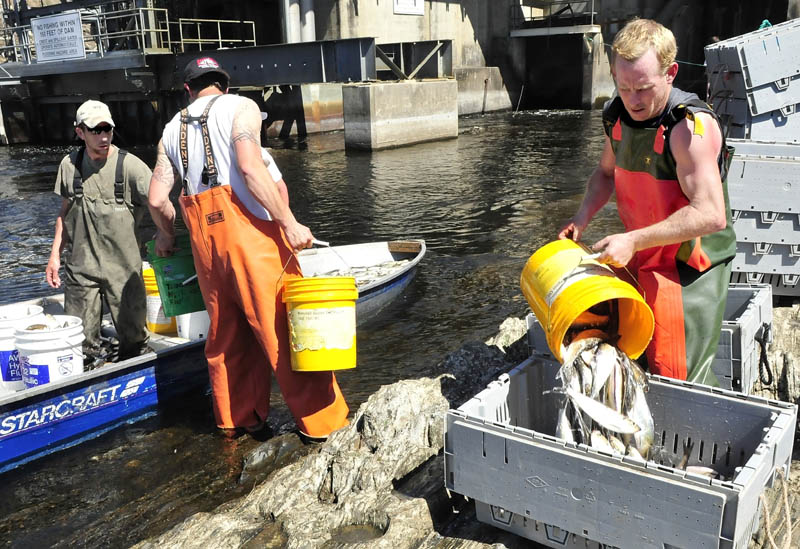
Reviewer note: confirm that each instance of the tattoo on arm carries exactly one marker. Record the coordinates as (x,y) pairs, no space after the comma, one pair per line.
(247,123)
(246,135)
(164,172)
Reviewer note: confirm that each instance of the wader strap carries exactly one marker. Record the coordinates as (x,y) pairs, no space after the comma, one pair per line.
(612,112)
(119,176)
(119,179)
(77,178)
(209,175)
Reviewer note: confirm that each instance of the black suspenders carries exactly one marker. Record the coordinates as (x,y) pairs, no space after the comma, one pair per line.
(119,179)
(77,178)
(209,176)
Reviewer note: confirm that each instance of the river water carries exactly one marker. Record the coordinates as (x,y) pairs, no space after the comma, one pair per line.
(483,203)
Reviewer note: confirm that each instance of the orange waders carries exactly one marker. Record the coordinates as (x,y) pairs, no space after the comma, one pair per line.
(239,258)
(685,284)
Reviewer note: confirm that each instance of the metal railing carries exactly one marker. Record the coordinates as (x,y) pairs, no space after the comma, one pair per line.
(138,29)
(560,12)
(16,44)
(191,33)
(130,29)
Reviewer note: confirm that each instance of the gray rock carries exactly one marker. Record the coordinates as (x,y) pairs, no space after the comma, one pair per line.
(378,482)
(346,490)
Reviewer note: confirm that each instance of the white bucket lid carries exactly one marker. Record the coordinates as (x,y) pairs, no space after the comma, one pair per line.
(11,314)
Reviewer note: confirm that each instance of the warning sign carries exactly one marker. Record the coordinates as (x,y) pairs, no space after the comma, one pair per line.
(58,37)
(409,7)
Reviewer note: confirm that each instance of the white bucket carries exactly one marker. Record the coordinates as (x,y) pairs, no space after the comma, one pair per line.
(51,354)
(11,318)
(193,325)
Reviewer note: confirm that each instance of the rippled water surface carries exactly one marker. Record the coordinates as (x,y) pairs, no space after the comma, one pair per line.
(483,203)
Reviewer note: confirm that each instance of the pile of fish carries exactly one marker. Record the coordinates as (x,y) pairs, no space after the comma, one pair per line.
(606,408)
(605,405)
(50,323)
(366,275)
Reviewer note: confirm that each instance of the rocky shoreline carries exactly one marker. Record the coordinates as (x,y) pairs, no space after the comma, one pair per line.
(379,481)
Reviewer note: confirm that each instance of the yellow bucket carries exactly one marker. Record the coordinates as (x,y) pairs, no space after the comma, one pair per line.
(322,322)
(560,284)
(156,321)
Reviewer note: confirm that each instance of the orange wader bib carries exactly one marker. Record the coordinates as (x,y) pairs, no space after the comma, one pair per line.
(685,284)
(239,258)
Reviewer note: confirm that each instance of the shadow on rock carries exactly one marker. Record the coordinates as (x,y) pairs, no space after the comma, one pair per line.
(271,455)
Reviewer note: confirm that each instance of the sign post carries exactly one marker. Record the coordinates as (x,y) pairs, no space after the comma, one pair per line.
(58,37)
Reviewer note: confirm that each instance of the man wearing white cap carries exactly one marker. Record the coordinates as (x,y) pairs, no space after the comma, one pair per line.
(104,196)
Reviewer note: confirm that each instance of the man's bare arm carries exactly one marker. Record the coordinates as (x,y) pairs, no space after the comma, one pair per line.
(59,241)
(246,138)
(161,209)
(699,178)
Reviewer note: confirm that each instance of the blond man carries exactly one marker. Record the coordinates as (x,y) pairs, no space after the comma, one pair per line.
(666,160)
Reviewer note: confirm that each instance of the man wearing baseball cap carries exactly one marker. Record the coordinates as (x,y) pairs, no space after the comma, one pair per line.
(104,196)
(243,237)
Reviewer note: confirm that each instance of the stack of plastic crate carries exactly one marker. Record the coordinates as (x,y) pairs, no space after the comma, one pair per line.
(500,449)
(754,87)
(745,329)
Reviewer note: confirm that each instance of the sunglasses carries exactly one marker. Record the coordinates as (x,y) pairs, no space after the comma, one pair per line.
(97,130)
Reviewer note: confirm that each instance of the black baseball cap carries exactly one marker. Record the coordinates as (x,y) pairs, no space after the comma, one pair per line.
(201,66)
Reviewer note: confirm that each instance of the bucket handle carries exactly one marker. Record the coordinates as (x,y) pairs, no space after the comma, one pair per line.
(594,257)
(318,243)
(278,283)
(79,348)
(68,344)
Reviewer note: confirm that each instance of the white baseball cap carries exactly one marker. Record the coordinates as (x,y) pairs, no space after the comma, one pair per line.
(92,113)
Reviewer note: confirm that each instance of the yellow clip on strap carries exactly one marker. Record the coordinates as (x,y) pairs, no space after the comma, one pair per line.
(699,129)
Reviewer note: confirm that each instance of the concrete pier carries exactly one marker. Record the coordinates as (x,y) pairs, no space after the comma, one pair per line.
(380,115)
(480,90)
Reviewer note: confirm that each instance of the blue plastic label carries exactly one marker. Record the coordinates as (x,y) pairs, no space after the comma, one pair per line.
(34,374)
(9,366)
(48,413)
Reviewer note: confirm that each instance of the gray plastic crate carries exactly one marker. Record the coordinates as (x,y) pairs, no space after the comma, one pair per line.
(765,149)
(747,310)
(782,285)
(537,340)
(760,67)
(764,184)
(725,79)
(724,83)
(765,199)
(737,122)
(500,451)
(769,227)
(764,257)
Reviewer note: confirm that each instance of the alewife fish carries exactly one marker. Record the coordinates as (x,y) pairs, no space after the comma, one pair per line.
(606,405)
